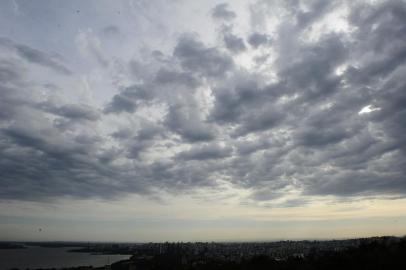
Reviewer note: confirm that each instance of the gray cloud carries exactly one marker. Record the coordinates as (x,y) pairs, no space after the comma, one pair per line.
(33,168)
(256,40)
(233,43)
(209,151)
(222,12)
(10,71)
(247,147)
(165,76)
(234,96)
(111,30)
(299,131)
(187,123)
(259,121)
(36,57)
(129,99)
(196,57)
(136,144)
(72,111)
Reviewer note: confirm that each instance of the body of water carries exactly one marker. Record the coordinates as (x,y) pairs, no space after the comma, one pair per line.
(42,257)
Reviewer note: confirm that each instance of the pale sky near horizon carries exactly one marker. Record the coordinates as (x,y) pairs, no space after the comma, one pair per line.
(202,120)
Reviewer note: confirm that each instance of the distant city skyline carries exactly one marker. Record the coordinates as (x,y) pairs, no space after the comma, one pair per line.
(259,120)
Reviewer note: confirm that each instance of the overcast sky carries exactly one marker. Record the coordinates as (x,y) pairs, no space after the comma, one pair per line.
(202,120)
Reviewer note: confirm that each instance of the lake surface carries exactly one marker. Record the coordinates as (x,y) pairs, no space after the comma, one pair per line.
(41,257)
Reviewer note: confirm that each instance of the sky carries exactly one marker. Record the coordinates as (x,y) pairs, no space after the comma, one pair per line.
(158,120)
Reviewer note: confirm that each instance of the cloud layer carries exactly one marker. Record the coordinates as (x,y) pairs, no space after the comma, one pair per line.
(315,106)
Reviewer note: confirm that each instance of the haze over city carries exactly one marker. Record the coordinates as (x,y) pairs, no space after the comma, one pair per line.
(158,120)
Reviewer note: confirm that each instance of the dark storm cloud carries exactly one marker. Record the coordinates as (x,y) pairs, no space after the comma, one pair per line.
(135,149)
(222,12)
(313,70)
(321,137)
(233,43)
(259,120)
(121,103)
(42,164)
(129,99)
(234,97)
(32,168)
(194,56)
(11,99)
(165,76)
(348,183)
(187,123)
(256,40)
(39,161)
(299,131)
(245,104)
(149,131)
(135,144)
(71,111)
(36,57)
(328,126)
